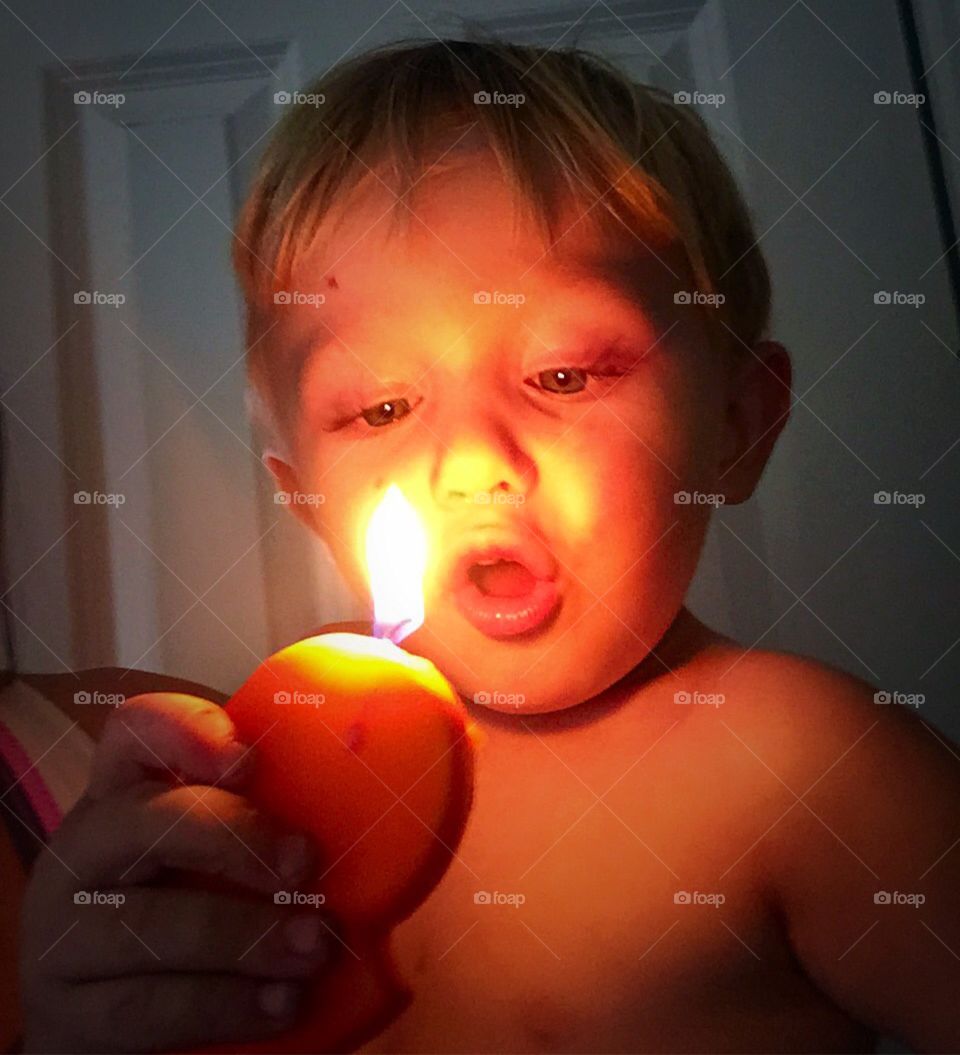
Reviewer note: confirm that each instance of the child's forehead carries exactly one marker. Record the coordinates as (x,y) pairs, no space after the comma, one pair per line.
(466,260)
(469,226)
(428,273)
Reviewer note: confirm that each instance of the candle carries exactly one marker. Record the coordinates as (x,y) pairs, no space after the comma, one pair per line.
(366,748)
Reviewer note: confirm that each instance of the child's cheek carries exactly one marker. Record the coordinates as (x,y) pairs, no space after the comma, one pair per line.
(341,512)
(620,470)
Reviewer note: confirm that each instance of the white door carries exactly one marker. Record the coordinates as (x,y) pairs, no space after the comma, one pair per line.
(186,563)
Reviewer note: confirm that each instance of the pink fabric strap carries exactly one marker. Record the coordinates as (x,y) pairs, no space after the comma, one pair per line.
(29,780)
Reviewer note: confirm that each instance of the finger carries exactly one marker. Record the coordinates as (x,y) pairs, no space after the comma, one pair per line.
(144,930)
(130,838)
(167,734)
(173,1012)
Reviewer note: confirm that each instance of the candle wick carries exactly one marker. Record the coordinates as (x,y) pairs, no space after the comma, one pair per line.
(394,632)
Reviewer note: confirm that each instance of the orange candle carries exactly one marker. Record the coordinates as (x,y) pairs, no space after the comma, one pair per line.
(367,749)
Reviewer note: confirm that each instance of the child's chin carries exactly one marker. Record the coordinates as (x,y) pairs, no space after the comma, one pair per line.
(533,700)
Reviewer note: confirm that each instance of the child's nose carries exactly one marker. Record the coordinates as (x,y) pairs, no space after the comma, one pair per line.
(479,455)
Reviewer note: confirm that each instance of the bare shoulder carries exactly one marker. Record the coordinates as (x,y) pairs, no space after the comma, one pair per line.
(839,740)
(809,726)
(794,704)
(771,726)
(855,800)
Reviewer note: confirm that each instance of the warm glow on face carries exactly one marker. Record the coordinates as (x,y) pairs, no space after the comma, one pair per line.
(396,551)
(590,474)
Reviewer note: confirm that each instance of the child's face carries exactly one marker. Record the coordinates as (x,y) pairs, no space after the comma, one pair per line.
(490,438)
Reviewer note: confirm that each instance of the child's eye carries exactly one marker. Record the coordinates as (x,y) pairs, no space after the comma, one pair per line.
(571,380)
(563,380)
(386,412)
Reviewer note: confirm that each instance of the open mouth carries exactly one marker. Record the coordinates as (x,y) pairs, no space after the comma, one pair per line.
(506,589)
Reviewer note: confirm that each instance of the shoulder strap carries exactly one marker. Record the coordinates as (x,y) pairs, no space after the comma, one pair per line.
(44,763)
(27,832)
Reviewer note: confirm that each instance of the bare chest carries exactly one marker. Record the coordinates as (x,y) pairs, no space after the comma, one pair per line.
(599,901)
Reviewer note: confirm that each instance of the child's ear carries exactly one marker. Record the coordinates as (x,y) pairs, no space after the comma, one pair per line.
(287,482)
(757,410)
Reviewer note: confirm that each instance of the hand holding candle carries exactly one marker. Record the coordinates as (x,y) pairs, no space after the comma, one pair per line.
(365,747)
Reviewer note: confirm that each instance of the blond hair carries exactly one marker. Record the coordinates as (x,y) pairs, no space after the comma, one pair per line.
(584,130)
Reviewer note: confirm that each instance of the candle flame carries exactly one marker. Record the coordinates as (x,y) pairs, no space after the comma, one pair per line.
(396,550)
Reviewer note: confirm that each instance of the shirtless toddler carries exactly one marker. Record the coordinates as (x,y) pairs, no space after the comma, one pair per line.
(527,291)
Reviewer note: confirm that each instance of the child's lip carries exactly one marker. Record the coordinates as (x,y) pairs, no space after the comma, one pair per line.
(501,617)
(500,544)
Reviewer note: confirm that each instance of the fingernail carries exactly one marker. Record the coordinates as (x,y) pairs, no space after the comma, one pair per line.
(303,934)
(294,856)
(278,999)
